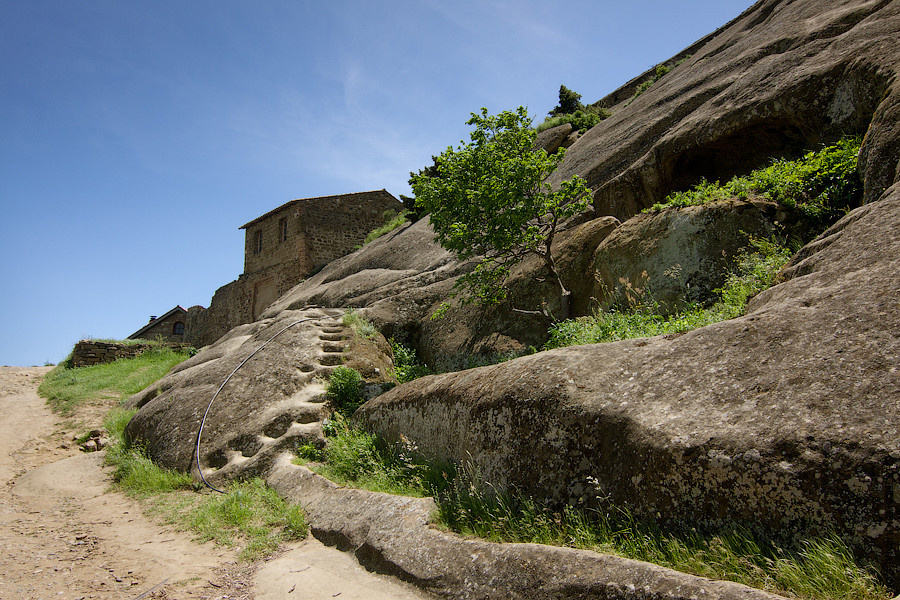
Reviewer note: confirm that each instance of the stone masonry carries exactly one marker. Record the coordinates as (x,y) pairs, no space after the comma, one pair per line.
(284,246)
(94,352)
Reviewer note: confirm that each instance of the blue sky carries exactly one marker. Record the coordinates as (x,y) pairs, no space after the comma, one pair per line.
(136,137)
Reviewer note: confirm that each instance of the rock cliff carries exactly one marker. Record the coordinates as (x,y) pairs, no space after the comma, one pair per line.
(785,420)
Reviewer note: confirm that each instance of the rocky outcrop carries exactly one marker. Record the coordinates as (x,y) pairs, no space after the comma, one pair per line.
(784,76)
(258,390)
(551,140)
(784,420)
(468,333)
(398,278)
(675,257)
(391,534)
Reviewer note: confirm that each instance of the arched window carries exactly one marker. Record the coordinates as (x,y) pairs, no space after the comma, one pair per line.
(178,328)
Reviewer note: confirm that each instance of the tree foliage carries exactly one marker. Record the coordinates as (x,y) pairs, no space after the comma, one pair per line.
(489,199)
(569,102)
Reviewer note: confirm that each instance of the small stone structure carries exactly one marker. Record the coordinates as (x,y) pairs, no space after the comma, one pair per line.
(284,246)
(94,352)
(167,328)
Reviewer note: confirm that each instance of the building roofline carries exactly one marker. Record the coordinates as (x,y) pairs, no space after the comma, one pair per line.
(292,202)
(137,333)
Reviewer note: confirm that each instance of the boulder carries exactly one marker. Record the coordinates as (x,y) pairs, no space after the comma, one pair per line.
(785,420)
(676,256)
(392,535)
(258,390)
(550,140)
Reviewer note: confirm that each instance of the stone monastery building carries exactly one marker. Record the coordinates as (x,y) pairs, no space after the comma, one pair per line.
(284,246)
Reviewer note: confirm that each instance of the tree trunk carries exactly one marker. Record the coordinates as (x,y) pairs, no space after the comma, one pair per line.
(565,296)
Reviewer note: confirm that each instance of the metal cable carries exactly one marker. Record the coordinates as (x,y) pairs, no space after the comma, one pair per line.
(213,399)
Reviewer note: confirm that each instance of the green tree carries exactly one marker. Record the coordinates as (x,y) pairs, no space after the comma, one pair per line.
(569,102)
(489,199)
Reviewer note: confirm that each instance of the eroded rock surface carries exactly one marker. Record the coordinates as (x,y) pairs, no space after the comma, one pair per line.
(784,76)
(675,257)
(401,279)
(274,398)
(391,535)
(785,420)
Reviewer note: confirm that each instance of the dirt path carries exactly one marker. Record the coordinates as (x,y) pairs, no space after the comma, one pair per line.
(64,534)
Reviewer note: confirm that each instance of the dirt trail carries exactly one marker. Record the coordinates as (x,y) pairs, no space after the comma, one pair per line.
(64,534)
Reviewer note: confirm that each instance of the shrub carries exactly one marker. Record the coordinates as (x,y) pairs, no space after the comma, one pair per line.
(345,388)
(821,185)
(360,325)
(569,102)
(581,120)
(392,220)
(406,366)
(355,457)
(755,271)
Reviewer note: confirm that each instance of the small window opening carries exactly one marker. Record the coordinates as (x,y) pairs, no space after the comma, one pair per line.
(178,328)
(282,230)
(257,242)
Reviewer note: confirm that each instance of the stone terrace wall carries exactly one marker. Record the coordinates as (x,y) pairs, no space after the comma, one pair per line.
(93,352)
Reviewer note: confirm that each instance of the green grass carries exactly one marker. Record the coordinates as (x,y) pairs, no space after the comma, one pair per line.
(358,459)
(65,388)
(344,388)
(659,72)
(756,271)
(821,185)
(821,569)
(361,326)
(581,120)
(391,222)
(248,513)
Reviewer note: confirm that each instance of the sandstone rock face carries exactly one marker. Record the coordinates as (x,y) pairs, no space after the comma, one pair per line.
(785,420)
(676,256)
(391,534)
(274,397)
(550,140)
(784,76)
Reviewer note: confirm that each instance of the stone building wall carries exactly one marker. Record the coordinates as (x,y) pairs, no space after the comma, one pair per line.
(275,239)
(314,231)
(281,248)
(164,329)
(334,226)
